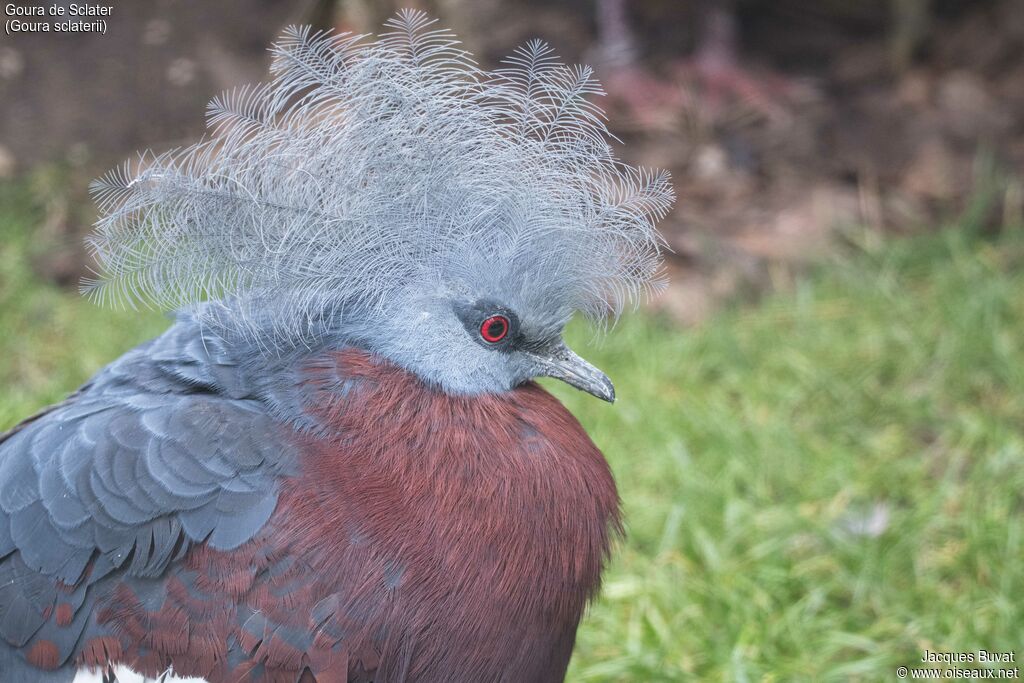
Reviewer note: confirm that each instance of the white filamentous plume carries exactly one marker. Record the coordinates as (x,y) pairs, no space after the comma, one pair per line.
(123,674)
(366,166)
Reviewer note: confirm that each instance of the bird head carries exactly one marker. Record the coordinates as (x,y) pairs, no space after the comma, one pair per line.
(388,194)
(471,343)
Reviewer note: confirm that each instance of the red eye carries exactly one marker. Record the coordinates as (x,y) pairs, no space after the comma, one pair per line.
(494,329)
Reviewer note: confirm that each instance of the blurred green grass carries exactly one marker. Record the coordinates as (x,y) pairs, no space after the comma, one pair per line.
(824,485)
(51,339)
(816,487)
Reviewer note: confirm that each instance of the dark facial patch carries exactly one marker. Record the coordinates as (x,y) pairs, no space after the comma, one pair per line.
(489,323)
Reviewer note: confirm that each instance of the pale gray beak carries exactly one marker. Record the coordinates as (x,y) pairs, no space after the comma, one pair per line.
(560,362)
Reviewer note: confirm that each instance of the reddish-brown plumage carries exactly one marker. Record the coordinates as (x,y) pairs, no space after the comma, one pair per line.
(64,614)
(97,653)
(427,537)
(43,654)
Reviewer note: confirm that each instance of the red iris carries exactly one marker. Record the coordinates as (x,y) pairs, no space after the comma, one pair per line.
(494,329)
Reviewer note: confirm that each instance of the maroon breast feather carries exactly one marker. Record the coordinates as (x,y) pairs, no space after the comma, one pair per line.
(427,537)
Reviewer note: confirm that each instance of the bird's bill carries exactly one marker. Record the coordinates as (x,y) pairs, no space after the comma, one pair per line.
(561,362)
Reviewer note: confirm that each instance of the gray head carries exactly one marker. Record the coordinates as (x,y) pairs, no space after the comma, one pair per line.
(390,194)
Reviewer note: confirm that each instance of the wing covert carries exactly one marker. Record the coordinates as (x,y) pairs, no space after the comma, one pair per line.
(122,478)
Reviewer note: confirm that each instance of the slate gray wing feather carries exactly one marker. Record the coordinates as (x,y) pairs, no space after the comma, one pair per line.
(150,457)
